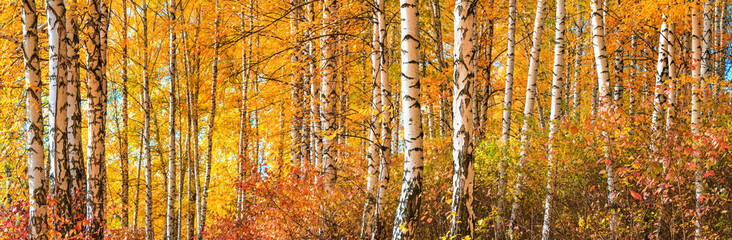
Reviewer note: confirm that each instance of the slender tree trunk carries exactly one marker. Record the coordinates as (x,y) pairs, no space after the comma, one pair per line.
(670,116)
(137,180)
(500,231)
(603,83)
(555,115)
(212,116)
(445,105)
(463,137)
(124,148)
(696,101)
(374,129)
(37,202)
(59,174)
(296,86)
(659,99)
(328,95)
(97,101)
(75,157)
(528,111)
(243,122)
(170,218)
(706,57)
(387,118)
(407,212)
(149,234)
(317,140)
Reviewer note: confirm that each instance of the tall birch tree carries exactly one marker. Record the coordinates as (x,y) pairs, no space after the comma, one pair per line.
(170,218)
(407,212)
(555,115)
(97,100)
(506,119)
(37,195)
(528,110)
(59,174)
(463,136)
(696,101)
(603,98)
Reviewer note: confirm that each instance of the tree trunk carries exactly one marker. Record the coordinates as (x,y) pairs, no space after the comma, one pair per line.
(387,118)
(170,218)
(670,116)
(328,95)
(317,140)
(37,202)
(149,234)
(555,115)
(407,212)
(603,98)
(445,105)
(659,98)
(124,148)
(696,88)
(75,154)
(463,137)
(59,175)
(97,101)
(296,86)
(528,110)
(212,116)
(500,230)
(374,129)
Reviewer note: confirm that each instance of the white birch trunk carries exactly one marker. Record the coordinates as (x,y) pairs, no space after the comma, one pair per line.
(170,218)
(328,95)
(500,230)
(296,86)
(659,97)
(374,130)
(407,212)
(463,138)
(528,111)
(696,101)
(554,117)
(97,99)
(124,148)
(37,195)
(59,174)
(603,98)
(73,98)
(211,121)
(387,118)
(149,234)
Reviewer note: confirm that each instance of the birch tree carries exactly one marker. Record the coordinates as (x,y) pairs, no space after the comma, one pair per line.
(124,149)
(696,87)
(212,116)
(659,98)
(463,138)
(149,233)
(555,115)
(37,195)
(374,127)
(603,98)
(73,129)
(97,101)
(328,95)
(170,219)
(387,118)
(407,212)
(59,174)
(296,86)
(506,119)
(528,110)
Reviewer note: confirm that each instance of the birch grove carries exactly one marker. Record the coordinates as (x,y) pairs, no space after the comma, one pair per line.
(249,119)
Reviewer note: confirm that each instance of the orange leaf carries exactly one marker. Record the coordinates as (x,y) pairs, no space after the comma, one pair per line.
(635,195)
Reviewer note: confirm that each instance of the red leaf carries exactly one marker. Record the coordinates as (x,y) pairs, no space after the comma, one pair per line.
(635,195)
